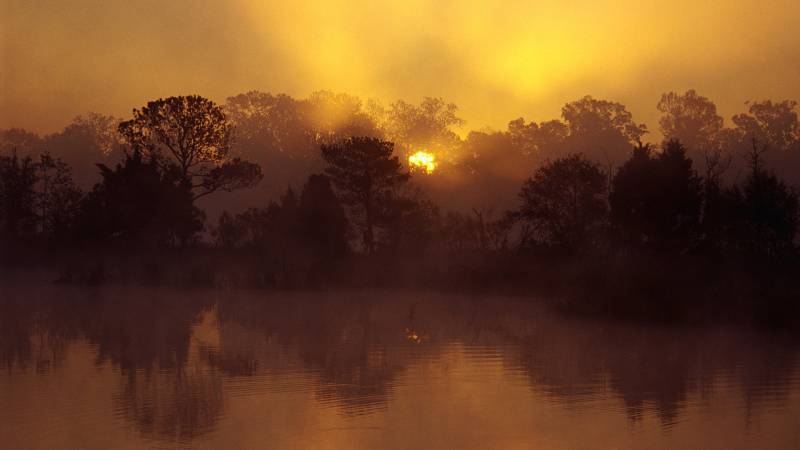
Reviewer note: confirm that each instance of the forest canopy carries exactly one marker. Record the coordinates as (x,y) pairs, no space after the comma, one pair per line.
(297,190)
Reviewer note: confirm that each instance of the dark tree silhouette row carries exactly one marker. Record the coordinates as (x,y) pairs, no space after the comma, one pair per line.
(580,196)
(657,203)
(283,135)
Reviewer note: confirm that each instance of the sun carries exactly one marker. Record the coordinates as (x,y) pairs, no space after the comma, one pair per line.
(423,161)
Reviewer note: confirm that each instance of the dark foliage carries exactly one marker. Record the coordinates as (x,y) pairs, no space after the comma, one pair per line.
(655,199)
(588,220)
(38,200)
(563,204)
(763,213)
(321,219)
(17,198)
(58,199)
(193,134)
(366,175)
(140,203)
(305,234)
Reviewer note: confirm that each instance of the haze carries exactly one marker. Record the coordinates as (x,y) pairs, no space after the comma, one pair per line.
(496,60)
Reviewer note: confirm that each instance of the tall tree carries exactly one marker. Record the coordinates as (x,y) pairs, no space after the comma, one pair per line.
(142,203)
(564,202)
(542,140)
(366,174)
(589,115)
(193,134)
(775,125)
(322,223)
(335,116)
(656,199)
(502,159)
(602,130)
(269,125)
(58,198)
(17,197)
(691,119)
(427,126)
(20,141)
(766,212)
(88,140)
(489,159)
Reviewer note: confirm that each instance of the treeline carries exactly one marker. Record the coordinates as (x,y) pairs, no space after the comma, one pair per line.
(576,202)
(282,134)
(174,152)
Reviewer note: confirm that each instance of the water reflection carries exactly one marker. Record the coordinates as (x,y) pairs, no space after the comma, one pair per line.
(658,367)
(172,406)
(183,365)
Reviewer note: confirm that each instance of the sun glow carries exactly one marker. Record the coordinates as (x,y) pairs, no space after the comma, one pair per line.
(423,160)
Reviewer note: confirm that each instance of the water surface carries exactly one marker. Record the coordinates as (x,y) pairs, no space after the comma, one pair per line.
(161,368)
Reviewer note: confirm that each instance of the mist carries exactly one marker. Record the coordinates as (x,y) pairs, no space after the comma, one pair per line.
(495,61)
(399,224)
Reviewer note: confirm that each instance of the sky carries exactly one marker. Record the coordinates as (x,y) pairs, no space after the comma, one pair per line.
(497,60)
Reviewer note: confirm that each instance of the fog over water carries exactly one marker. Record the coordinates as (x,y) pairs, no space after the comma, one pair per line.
(142,368)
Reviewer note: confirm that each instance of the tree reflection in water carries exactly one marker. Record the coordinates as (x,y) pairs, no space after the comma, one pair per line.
(178,354)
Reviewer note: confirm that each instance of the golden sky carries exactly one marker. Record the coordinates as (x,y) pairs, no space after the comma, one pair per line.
(497,60)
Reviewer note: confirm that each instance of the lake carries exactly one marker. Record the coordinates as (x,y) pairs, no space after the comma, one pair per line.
(165,368)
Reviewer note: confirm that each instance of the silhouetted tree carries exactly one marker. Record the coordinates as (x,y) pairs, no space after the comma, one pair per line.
(88,140)
(283,135)
(776,126)
(322,223)
(541,140)
(503,160)
(589,116)
(336,116)
(764,211)
(416,127)
(271,123)
(17,197)
(230,231)
(23,142)
(58,198)
(602,130)
(140,202)
(564,202)
(716,210)
(240,231)
(269,229)
(366,175)
(293,238)
(656,199)
(193,134)
(411,223)
(479,230)
(491,159)
(691,119)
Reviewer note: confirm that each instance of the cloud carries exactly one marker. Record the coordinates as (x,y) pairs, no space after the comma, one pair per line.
(496,60)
